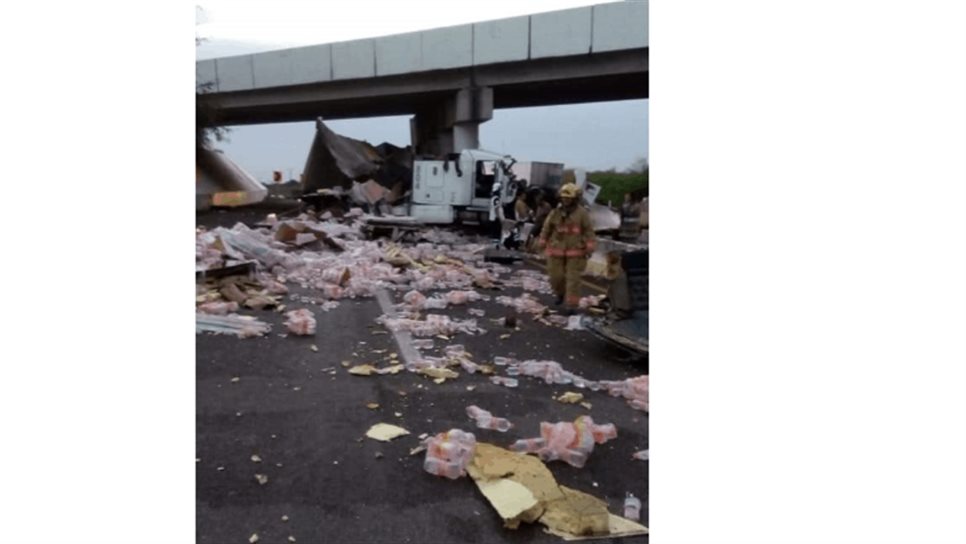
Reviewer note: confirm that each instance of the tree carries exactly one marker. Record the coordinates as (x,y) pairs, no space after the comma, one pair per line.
(639,166)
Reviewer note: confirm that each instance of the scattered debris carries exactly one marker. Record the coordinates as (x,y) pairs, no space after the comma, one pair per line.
(253,539)
(449,453)
(235,379)
(218,308)
(372,405)
(570,398)
(439,373)
(634,389)
(301,322)
(500,380)
(586,405)
(362,370)
(313,347)
(256,459)
(385,432)
(485,420)
(574,323)
(284,518)
(632,507)
(261,479)
(568,442)
(642,455)
(534,494)
(434,325)
(242,326)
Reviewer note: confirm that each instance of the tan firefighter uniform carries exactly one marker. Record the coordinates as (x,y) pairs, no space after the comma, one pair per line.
(568,240)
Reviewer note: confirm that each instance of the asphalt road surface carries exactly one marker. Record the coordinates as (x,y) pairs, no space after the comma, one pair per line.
(302,413)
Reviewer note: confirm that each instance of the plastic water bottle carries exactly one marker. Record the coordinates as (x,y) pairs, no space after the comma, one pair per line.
(528,444)
(500,424)
(632,507)
(512,371)
(501,361)
(508,382)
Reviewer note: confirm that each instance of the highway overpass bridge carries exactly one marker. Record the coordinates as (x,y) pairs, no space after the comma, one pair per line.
(450,79)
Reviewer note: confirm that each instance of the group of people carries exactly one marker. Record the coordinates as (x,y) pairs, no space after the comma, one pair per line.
(566,235)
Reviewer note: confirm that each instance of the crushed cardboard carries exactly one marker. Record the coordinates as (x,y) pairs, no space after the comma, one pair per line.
(570,397)
(385,432)
(362,370)
(619,528)
(439,373)
(558,507)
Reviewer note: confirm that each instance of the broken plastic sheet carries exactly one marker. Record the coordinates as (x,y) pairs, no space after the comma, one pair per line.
(253,245)
(242,326)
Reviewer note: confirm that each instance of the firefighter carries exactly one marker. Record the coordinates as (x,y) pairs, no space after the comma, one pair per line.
(568,238)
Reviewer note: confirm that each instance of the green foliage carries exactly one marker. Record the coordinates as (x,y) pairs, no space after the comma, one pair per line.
(613,185)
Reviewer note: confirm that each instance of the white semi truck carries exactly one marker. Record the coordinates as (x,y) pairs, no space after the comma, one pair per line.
(472,186)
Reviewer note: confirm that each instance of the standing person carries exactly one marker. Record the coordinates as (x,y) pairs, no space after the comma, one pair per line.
(568,237)
(630,229)
(520,208)
(542,209)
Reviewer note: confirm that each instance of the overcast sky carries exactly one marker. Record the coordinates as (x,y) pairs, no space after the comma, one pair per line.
(592,136)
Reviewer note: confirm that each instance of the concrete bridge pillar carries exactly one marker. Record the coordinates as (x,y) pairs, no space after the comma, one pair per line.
(454,124)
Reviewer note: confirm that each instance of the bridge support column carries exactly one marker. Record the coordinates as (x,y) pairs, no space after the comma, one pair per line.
(453,125)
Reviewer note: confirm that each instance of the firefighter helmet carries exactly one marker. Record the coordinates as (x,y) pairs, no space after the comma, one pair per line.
(569,190)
